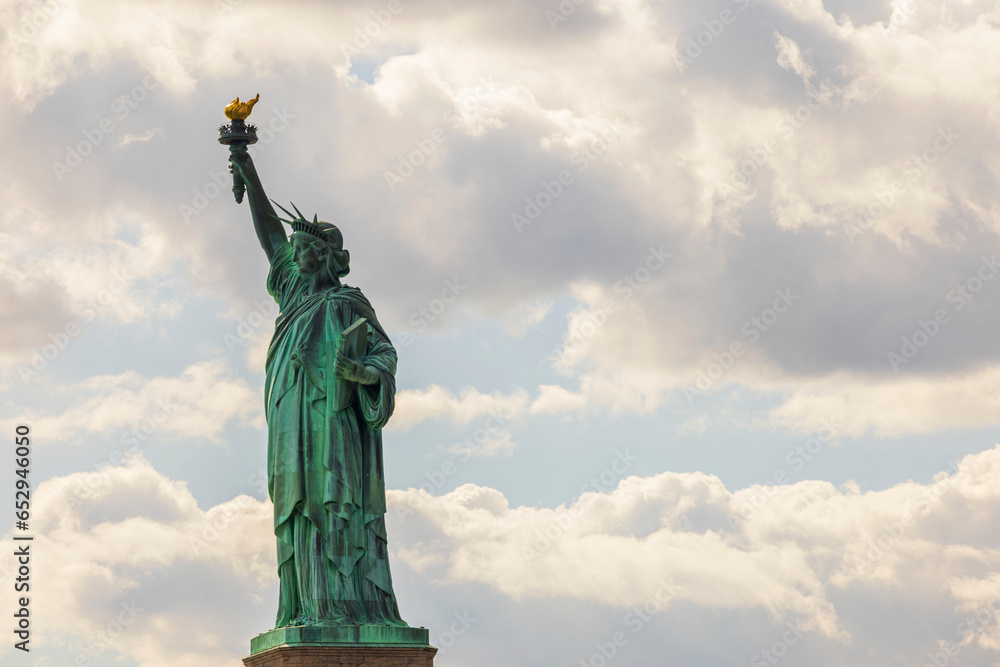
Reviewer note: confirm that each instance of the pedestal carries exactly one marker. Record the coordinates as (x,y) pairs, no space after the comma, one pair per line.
(342,646)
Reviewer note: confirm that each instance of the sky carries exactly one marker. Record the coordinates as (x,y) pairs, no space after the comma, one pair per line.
(695,305)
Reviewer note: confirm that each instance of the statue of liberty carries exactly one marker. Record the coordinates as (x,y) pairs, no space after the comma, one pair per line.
(326,405)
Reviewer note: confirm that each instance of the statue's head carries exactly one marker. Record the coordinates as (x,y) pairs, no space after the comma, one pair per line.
(318,244)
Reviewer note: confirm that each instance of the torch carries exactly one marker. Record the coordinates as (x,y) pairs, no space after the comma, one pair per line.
(237,134)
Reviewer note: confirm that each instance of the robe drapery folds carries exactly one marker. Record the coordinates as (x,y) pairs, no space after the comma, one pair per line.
(324,466)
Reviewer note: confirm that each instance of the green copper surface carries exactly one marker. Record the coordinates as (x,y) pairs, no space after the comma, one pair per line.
(326,403)
(344,635)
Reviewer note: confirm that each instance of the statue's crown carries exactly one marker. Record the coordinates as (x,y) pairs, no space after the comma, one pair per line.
(324,231)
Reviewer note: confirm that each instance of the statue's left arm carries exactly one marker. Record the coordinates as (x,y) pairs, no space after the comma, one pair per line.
(355,371)
(376,376)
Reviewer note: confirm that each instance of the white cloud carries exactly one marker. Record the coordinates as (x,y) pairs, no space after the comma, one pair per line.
(611,547)
(804,165)
(682,133)
(893,407)
(804,553)
(554,399)
(790,550)
(109,266)
(694,425)
(106,553)
(618,393)
(414,406)
(141,138)
(526,316)
(197,404)
(790,57)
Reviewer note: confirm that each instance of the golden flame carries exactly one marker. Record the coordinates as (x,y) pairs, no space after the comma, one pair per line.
(240,110)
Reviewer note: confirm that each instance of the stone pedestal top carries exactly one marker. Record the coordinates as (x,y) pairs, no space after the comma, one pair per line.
(342,646)
(343,656)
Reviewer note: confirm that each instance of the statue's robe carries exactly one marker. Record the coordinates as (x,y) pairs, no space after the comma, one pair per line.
(324,466)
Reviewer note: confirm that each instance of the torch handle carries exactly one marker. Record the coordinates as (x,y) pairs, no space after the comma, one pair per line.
(239,187)
(238,135)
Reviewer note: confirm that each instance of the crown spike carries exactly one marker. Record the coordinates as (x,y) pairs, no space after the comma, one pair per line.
(287,212)
(315,218)
(302,217)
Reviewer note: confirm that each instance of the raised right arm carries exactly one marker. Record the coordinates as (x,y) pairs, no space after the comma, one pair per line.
(270,232)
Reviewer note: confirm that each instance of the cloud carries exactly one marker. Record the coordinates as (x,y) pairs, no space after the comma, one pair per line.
(529,315)
(144,137)
(134,569)
(41,315)
(584,551)
(790,57)
(139,563)
(861,183)
(414,406)
(554,399)
(197,404)
(894,407)
(111,266)
(760,200)
(802,552)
